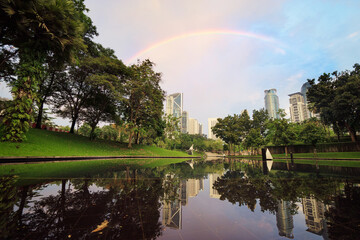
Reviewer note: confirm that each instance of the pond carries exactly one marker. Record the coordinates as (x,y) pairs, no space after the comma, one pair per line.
(222,199)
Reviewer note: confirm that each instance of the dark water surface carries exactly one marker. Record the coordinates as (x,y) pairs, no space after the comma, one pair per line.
(223,199)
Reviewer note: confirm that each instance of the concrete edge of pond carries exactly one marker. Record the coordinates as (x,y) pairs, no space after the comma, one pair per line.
(33,159)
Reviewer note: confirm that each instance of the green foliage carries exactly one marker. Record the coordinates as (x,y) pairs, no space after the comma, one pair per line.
(336,97)
(312,132)
(142,101)
(36,29)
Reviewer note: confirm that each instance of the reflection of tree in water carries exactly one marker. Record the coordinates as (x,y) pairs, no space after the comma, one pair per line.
(130,205)
(344,216)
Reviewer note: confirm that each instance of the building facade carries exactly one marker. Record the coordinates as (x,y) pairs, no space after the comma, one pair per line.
(272,103)
(174,104)
(184,122)
(298,109)
(211,123)
(193,126)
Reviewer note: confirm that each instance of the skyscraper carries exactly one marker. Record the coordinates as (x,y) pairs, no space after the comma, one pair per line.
(193,127)
(201,132)
(298,109)
(304,89)
(174,104)
(184,122)
(211,122)
(272,103)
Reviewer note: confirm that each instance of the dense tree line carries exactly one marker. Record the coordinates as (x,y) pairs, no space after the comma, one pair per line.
(48,56)
(244,133)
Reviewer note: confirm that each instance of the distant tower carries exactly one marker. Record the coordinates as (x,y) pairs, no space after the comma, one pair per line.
(272,103)
(193,127)
(201,132)
(174,104)
(184,122)
(298,111)
(211,122)
(304,90)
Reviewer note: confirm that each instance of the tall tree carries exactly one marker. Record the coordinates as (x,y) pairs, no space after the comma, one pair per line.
(143,97)
(336,97)
(93,76)
(36,29)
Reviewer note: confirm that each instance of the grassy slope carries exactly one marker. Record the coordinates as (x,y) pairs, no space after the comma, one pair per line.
(46,143)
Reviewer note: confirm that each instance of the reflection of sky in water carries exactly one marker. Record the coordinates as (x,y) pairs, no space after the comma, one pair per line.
(211,218)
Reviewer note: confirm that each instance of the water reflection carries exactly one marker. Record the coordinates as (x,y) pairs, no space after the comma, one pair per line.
(227,199)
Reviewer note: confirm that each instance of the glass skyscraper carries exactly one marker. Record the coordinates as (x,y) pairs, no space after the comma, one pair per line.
(174,104)
(272,103)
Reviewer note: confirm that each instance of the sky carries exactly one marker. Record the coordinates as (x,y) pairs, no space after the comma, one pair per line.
(222,55)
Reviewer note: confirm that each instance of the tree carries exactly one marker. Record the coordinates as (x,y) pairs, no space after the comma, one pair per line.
(36,29)
(281,132)
(312,132)
(94,85)
(260,119)
(336,97)
(143,97)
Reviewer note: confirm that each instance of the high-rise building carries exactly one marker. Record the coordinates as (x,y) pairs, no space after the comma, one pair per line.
(184,122)
(298,110)
(304,89)
(211,123)
(174,104)
(272,103)
(201,131)
(193,127)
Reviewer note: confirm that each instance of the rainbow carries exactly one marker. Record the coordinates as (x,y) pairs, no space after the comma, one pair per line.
(200,33)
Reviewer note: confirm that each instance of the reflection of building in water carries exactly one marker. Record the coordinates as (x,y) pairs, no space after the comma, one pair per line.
(193,186)
(172,213)
(284,219)
(212,178)
(314,211)
(173,202)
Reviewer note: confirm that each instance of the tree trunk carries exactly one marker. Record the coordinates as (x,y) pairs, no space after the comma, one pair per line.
(73,125)
(92,137)
(130,138)
(40,114)
(352,132)
(286,151)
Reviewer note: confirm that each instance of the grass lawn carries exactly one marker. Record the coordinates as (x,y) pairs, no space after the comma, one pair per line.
(47,143)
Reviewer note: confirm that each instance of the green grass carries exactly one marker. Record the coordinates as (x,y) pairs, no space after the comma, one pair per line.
(47,143)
